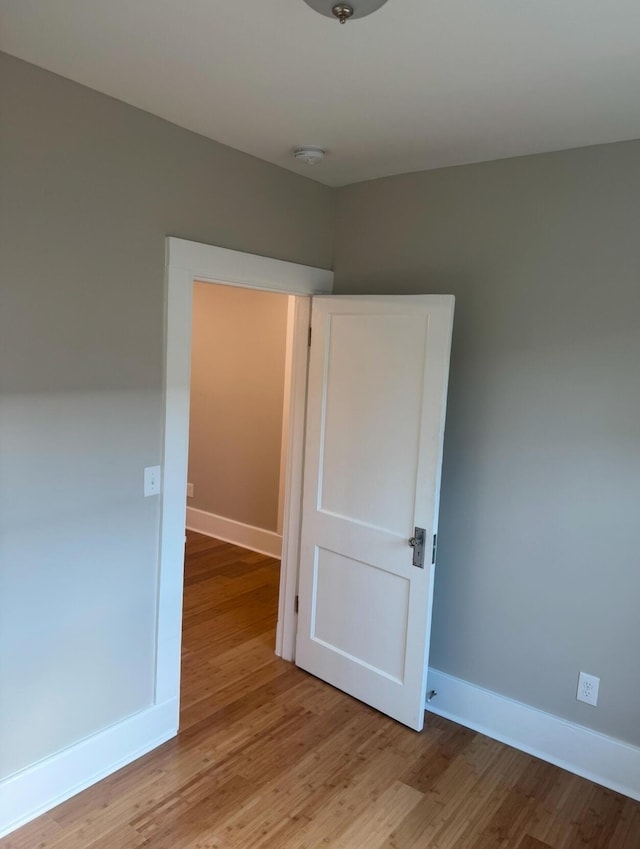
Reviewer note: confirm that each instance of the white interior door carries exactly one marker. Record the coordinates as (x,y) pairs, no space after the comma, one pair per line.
(378,373)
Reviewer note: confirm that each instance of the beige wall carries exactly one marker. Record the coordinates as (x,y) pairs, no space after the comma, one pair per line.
(237,388)
(538,559)
(89,189)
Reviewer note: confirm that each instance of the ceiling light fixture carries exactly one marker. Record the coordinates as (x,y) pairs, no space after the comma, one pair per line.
(345,11)
(342,11)
(309,154)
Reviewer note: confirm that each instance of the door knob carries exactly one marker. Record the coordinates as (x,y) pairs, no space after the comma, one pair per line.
(417,544)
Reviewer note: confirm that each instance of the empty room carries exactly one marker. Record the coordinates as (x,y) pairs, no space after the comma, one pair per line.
(350,559)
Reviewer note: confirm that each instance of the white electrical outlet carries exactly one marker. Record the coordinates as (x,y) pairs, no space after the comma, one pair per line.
(588,686)
(151,480)
(189,490)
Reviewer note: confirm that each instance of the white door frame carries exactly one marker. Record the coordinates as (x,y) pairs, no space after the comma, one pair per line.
(187,262)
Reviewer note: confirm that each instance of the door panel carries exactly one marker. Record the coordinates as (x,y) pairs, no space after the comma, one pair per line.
(391,347)
(375,420)
(340,584)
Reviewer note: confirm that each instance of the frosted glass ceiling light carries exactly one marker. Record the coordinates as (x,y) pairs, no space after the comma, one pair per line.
(345,11)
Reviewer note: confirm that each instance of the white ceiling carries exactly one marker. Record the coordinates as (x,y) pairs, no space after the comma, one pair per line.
(419,84)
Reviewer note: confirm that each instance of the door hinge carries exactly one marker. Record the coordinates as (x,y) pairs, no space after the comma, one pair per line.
(296,604)
(309,335)
(433,549)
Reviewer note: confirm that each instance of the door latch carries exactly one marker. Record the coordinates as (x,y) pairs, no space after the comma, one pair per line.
(417,544)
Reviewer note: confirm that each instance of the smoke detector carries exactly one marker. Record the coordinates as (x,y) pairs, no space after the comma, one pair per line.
(309,154)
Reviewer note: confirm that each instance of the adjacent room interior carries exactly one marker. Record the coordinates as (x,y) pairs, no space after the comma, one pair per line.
(238,425)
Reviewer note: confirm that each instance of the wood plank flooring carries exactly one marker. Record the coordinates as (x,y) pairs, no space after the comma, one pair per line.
(268,756)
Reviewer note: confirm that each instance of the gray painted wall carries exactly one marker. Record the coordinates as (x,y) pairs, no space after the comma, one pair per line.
(237,396)
(539,562)
(89,189)
(538,572)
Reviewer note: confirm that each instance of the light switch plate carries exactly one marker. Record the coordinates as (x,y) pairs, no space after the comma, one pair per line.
(151,481)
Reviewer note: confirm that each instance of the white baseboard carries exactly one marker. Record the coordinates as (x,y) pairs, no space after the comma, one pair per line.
(37,789)
(228,530)
(602,759)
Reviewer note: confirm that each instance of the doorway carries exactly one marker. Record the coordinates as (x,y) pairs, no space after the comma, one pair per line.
(188,262)
(238,426)
(361,341)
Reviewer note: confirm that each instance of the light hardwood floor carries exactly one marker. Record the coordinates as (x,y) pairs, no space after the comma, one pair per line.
(268,756)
